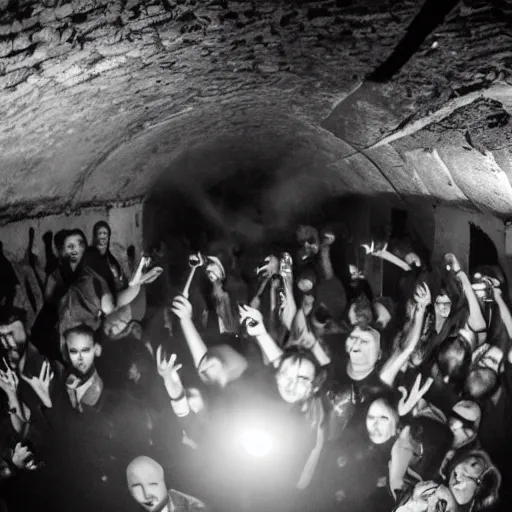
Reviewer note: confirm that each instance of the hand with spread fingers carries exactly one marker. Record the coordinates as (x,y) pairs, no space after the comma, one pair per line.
(411,399)
(168,370)
(252,320)
(270,268)
(41,384)
(140,277)
(23,458)
(375,248)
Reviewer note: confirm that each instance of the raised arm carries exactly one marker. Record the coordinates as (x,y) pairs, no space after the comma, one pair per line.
(302,336)
(138,279)
(290,307)
(476,320)
(400,356)
(182,308)
(504,310)
(328,239)
(252,320)
(384,254)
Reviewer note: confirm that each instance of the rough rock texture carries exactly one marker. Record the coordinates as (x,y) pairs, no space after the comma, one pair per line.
(98,97)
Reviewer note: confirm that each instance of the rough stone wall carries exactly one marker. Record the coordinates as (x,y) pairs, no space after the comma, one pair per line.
(78,78)
(125,221)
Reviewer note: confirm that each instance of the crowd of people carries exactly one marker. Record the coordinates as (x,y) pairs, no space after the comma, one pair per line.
(268,381)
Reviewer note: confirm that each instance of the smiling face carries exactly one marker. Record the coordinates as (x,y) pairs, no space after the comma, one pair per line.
(146,484)
(13,338)
(464,479)
(102,238)
(381,422)
(214,271)
(295,379)
(74,248)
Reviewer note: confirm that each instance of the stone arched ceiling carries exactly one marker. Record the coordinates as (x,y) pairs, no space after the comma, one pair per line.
(99,97)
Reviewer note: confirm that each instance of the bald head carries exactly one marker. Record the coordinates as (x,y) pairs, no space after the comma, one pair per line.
(146,483)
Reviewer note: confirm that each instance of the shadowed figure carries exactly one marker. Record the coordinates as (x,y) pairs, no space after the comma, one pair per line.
(8,279)
(51,261)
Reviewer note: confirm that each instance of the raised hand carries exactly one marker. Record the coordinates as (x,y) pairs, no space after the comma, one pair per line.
(270,268)
(375,249)
(286,266)
(182,308)
(41,384)
(8,380)
(452,263)
(252,320)
(168,370)
(194,261)
(422,295)
(328,237)
(23,458)
(411,399)
(140,278)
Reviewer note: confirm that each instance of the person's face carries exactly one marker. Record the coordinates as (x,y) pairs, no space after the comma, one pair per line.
(484,371)
(82,351)
(74,248)
(431,497)
(213,271)
(102,238)
(212,371)
(443,306)
(148,489)
(462,434)
(363,349)
(380,422)
(464,479)
(295,380)
(14,340)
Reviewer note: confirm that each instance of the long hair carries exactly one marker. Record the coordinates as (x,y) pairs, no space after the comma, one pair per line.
(489,483)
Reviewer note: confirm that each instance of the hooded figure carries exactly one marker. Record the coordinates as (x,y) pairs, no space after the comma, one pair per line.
(99,258)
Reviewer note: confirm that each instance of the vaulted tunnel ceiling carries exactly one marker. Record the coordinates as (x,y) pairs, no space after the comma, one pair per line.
(98,98)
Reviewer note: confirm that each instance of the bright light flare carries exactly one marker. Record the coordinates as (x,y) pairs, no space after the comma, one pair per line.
(256,443)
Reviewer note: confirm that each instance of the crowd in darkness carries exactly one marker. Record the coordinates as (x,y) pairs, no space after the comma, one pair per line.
(270,379)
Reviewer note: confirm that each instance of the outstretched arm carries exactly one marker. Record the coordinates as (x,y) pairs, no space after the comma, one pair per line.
(384,254)
(252,320)
(182,308)
(393,365)
(476,320)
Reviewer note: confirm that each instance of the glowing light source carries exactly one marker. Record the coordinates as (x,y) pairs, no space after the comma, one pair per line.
(256,443)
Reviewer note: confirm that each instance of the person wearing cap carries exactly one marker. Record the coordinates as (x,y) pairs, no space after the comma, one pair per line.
(464,422)
(227,289)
